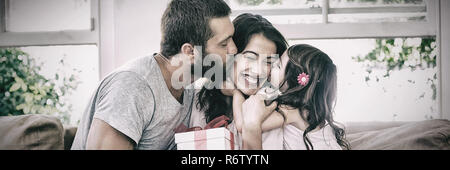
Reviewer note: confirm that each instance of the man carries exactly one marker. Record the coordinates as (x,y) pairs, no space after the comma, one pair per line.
(137,106)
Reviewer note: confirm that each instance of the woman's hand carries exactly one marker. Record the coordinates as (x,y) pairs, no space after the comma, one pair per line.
(254,112)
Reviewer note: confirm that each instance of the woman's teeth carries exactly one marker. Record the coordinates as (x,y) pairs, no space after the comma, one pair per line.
(251,80)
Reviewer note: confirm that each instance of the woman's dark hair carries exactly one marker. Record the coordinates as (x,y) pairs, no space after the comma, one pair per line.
(212,101)
(187,21)
(246,25)
(316,100)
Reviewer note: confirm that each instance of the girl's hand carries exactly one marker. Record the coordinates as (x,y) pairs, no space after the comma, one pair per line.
(273,121)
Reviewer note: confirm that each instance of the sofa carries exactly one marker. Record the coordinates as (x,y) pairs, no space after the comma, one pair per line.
(41,132)
(35,132)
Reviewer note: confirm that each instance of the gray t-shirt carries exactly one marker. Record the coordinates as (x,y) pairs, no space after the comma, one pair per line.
(136,101)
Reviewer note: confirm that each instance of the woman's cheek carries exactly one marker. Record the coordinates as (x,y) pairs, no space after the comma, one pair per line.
(268,70)
(240,67)
(235,73)
(274,77)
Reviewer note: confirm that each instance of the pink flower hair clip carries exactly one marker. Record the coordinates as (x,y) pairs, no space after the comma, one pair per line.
(303,79)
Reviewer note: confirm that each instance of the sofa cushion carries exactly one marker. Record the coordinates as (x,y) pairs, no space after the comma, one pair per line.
(356,127)
(69,136)
(429,134)
(31,132)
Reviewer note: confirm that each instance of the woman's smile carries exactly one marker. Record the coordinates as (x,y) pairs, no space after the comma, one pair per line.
(252,80)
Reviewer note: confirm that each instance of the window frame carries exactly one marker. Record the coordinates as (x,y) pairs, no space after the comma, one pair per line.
(443,40)
(326,30)
(66,37)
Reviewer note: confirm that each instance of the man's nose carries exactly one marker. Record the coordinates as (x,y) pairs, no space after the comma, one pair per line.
(232,49)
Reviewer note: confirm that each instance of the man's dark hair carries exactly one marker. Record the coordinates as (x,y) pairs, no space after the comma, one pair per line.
(187,21)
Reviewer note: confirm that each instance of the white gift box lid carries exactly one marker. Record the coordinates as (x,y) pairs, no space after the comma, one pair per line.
(221,132)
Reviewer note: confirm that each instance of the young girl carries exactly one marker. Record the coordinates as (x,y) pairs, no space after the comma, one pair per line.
(306,78)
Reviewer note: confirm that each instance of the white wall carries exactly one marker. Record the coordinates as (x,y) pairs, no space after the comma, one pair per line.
(445,57)
(130,29)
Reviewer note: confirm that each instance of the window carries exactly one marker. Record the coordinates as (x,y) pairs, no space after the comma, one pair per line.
(47,15)
(405,95)
(346,29)
(329,19)
(372,11)
(61,35)
(281,11)
(48,22)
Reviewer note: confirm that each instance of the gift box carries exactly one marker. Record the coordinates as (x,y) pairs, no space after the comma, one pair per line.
(214,136)
(209,139)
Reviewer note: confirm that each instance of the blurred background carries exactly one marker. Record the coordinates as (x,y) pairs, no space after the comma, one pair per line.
(392,56)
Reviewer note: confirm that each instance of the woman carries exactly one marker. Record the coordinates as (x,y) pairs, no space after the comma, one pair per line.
(259,44)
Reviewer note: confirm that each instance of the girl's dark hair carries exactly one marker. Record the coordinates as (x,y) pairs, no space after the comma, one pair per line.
(212,101)
(317,99)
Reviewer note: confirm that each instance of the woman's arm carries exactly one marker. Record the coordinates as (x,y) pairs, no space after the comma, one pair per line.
(238,100)
(273,121)
(251,137)
(254,111)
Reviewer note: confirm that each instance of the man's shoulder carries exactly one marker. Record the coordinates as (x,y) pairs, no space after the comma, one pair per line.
(142,69)
(133,77)
(143,66)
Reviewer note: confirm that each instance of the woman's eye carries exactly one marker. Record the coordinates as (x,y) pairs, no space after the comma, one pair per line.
(273,65)
(276,64)
(252,57)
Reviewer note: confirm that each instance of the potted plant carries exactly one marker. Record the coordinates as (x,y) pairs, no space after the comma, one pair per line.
(23,90)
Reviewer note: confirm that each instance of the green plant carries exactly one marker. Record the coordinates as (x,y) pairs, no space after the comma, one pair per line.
(23,90)
(392,55)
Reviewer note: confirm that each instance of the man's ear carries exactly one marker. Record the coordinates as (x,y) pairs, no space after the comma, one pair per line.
(187,49)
